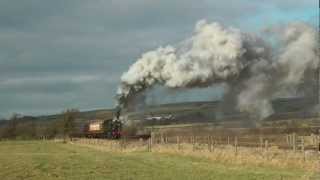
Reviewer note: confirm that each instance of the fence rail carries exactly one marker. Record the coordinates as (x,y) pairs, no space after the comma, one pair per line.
(288,142)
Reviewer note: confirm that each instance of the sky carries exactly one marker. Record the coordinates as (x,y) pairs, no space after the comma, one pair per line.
(71,53)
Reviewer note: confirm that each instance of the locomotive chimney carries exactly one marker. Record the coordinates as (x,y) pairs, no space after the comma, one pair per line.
(117,112)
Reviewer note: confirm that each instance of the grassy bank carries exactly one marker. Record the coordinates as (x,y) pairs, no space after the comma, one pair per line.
(52,160)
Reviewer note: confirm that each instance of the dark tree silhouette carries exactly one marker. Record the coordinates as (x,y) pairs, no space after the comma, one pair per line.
(68,122)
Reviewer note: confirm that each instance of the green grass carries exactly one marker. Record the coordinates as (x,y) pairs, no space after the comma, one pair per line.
(50,160)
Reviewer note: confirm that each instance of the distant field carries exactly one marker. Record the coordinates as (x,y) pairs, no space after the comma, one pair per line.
(55,160)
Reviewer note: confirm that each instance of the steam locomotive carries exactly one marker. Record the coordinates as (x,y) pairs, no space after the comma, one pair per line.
(109,128)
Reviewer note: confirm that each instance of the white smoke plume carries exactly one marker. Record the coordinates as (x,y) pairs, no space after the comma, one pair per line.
(254,70)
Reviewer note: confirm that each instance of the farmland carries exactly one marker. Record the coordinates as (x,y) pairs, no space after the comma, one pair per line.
(57,160)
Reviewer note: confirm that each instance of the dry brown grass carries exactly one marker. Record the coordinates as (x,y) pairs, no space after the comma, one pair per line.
(226,154)
(250,156)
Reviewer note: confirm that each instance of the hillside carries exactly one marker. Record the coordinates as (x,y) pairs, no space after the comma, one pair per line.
(294,112)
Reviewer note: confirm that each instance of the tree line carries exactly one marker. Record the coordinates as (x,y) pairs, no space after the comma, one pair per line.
(24,128)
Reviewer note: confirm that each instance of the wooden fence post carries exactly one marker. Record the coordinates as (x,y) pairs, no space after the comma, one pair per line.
(209,144)
(228,140)
(318,144)
(151,139)
(150,144)
(290,140)
(193,143)
(302,144)
(261,142)
(166,138)
(302,148)
(236,145)
(161,138)
(266,145)
(212,143)
(294,142)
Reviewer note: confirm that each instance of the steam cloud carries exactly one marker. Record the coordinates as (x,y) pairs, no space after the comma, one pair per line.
(254,70)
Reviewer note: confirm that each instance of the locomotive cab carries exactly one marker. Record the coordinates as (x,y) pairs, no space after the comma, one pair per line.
(103,129)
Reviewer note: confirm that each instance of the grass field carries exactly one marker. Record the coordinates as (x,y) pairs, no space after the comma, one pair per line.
(54,160)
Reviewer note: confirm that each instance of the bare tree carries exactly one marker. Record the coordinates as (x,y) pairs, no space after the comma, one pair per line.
(10,130)
(68,122)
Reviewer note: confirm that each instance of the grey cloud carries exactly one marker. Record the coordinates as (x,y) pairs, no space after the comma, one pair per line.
(62,39)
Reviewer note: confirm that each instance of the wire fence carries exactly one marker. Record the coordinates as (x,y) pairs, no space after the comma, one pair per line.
(292,142)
